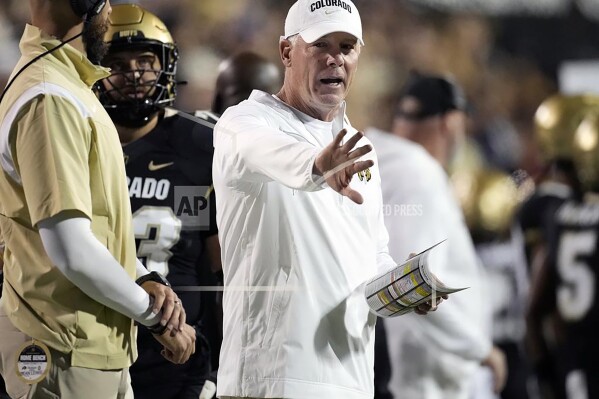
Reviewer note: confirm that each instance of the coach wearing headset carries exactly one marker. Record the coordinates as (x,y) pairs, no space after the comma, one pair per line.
(70,264)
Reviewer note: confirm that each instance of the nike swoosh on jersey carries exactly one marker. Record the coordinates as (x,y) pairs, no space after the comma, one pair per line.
(154,167)
(329,12)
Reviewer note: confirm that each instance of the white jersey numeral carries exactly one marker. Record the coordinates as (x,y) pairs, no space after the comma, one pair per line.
(576,292)
(158,230)
(576,385)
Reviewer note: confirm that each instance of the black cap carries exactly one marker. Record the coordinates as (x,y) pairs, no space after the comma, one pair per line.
(431,94)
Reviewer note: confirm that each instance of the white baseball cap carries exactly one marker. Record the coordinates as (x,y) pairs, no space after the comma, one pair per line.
(313,19)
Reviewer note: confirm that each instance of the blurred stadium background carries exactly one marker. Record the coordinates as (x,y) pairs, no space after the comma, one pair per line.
(508,55)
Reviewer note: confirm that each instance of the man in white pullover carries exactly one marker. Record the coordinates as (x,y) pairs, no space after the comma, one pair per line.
(437,356)
(296,251)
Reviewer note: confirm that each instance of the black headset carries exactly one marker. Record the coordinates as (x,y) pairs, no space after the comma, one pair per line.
(89,8)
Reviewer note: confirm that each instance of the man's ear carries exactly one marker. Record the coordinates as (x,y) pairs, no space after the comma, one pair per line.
(285,52)
(454,119)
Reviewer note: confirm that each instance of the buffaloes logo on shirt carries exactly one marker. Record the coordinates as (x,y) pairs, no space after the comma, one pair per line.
(365,174)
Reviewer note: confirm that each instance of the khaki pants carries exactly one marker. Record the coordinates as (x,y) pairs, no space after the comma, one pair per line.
(67,382)
(11,340)
(62,380)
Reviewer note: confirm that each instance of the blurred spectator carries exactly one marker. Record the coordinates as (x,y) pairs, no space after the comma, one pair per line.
(437,356)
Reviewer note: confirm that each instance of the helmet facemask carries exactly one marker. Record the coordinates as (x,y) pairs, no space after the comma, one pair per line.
(160,91)
(137,90)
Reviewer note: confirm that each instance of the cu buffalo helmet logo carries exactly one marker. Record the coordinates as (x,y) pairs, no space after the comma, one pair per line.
(365,174)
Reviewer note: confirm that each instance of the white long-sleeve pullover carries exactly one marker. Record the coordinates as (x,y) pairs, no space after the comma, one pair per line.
(295,257)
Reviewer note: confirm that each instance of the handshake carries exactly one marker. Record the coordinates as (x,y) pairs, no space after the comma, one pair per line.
(178,338)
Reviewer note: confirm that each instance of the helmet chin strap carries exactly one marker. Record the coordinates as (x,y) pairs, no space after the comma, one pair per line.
(132,118)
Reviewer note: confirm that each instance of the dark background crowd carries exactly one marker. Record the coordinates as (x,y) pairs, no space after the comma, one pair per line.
(508,55)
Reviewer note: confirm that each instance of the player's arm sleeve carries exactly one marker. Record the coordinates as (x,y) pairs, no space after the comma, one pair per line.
(140,269)
(52,145)
(77,253)
(257,152)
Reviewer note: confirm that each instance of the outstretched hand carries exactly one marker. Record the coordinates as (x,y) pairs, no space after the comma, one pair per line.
(338,162)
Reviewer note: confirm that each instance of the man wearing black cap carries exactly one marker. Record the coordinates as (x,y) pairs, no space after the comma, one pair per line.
(445,349)
(431,112)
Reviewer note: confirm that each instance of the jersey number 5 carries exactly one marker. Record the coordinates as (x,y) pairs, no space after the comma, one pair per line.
(576,290)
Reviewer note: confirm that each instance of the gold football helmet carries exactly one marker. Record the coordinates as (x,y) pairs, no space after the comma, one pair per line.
(586,150)
(132,28)
(489,199)
(555,121)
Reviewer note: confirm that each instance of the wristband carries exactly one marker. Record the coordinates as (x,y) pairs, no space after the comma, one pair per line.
(157,329)
(153,276)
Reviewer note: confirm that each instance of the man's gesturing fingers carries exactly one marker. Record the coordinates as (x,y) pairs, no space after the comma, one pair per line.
(351,143)
(357,153)
(339,137)
(360,166)
(338,162)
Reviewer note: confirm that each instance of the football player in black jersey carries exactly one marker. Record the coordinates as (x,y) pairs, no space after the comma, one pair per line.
(489,199)
(567,283)
(556,120)
(168,157)
(574,268)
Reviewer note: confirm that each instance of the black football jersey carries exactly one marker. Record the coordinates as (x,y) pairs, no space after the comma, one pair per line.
(574,273)
(507,274)
(537,213)
(169,175)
